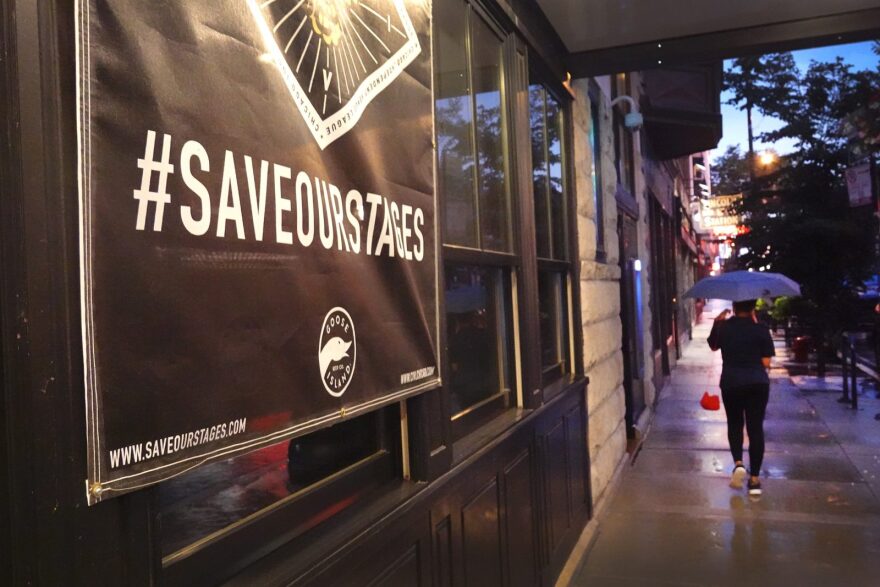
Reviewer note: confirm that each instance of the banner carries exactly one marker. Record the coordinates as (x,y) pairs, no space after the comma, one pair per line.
(258,242)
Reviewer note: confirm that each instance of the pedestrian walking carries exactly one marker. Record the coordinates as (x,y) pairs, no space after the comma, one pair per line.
(746,348)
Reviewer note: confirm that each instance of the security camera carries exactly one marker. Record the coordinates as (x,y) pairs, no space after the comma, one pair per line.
(633,121)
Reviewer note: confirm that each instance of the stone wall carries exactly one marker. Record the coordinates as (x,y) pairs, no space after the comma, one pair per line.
(600,288)
(600,295)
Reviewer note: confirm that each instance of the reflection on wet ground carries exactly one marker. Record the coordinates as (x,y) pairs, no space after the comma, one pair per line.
(675,521)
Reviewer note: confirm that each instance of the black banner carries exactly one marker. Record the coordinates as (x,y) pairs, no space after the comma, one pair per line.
(257,210)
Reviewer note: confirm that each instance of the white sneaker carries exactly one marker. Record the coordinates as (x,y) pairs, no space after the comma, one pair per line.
(739,475)
(754,487)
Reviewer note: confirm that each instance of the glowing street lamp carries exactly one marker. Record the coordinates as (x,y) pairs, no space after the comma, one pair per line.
(767,158)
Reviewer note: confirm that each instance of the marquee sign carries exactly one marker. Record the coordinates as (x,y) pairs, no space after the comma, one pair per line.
(258,244)
(719,216)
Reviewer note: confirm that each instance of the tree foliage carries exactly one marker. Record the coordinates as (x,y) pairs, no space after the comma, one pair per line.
(798,217)
(730,172)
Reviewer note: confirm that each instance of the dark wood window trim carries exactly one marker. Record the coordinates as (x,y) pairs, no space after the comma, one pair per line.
(563,267)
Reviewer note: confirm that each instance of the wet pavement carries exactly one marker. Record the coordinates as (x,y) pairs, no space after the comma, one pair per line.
(674,521)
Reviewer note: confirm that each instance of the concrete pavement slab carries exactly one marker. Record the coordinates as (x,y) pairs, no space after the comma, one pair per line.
(694,494)
(696,550)
(717,463)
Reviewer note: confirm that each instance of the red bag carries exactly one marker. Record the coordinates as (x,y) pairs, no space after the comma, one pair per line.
(710,402)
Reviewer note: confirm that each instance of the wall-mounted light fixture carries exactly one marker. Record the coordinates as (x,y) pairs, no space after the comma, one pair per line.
(567,84)
(633,120)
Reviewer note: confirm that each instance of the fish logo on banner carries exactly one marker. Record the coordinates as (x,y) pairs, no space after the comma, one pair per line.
(336,56)
(337,351)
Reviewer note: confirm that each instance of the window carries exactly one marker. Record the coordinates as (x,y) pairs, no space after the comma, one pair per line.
(596,173)
(478,335)
(355,457)
(474,187)
(623,138)
(547,131)
(470,126)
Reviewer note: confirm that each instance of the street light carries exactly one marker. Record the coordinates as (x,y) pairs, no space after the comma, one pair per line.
(767,158)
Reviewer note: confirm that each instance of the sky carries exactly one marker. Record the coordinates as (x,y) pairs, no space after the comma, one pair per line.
(735,131)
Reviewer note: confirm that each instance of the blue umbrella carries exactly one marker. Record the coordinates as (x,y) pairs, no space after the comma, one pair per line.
(744,285)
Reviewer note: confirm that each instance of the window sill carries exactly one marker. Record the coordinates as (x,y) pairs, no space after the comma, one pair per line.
(295,556)
(562,384)
(485,436)
(471,443)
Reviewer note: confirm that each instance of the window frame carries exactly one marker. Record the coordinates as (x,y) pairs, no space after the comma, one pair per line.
(565,267)
(470,420)
(288,519)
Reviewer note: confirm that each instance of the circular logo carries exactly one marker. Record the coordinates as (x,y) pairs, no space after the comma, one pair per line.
(337,351)
(336,56)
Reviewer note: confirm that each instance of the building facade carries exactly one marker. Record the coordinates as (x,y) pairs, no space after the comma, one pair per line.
(564,240)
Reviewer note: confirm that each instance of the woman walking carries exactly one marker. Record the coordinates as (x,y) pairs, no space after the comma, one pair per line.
(746,348)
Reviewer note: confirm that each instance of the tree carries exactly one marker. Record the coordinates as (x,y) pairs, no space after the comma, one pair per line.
(730,172)
(756,83)
(798,218)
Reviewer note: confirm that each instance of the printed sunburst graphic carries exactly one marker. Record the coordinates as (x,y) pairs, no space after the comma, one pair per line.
(336,56)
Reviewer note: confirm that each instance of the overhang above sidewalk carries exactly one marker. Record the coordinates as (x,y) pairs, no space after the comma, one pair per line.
(682,109)
(607,36)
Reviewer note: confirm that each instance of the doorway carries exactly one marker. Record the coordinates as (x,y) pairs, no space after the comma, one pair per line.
(631,319)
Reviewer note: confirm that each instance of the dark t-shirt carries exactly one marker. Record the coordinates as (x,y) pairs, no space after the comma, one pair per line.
(743,344)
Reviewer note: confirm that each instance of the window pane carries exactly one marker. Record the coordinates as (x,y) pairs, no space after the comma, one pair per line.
(212,497)
(477,316)
(553,318)
(454,120)
(539,169)
(494,207)
(555,161)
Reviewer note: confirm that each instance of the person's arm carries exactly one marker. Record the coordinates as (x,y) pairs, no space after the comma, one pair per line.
(768,349)
(714,336)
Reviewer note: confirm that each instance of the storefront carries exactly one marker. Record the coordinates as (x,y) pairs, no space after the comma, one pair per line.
(291,294)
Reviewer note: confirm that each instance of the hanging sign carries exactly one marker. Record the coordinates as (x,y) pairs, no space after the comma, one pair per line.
(718,215)
(859,185)
(258,244)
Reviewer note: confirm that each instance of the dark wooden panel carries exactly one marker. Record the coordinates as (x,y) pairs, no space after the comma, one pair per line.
(556,483)
(576,445)
(483,523)
(520,517)
(443,553)
(405,571)
(481,538)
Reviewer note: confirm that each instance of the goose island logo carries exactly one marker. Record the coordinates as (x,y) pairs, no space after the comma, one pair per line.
(337,351)
(336,56)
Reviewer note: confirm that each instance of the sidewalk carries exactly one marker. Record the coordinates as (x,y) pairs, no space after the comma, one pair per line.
(675,521)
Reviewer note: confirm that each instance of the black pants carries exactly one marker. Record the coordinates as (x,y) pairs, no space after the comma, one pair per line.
(746,405)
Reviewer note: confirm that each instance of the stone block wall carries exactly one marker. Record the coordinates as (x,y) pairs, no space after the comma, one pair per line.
(600,286)
(600,294)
